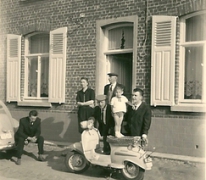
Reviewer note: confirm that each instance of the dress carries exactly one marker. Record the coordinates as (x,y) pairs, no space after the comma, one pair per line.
(84,112)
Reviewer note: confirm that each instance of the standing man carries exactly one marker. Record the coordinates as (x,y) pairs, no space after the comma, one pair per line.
(104,120)
(138,115)
(29,131)
(109,89)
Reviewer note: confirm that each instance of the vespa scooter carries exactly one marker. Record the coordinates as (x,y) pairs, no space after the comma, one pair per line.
(127,155)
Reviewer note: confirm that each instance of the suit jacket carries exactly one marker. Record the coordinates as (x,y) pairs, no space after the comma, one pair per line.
(139,120)
(104,128)
(26,129)
(106,89)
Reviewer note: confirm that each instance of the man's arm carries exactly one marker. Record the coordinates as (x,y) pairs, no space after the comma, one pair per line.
(20,131)
(38,130)
(146,121)
(105,90)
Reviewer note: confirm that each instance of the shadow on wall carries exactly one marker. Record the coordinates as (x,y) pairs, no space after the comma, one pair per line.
(61,127)
(56,126)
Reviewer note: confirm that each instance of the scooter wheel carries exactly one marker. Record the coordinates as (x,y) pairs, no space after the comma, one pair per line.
(132,172)
(76,162)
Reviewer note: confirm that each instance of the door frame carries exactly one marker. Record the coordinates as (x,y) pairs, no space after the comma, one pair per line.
(101,61)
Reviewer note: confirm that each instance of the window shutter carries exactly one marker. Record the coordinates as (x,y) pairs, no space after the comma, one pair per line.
(13,67)
(57,65)
(163,60)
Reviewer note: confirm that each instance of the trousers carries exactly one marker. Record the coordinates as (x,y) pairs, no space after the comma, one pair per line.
(20,145)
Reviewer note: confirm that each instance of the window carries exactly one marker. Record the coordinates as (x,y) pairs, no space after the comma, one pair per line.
(44,69)
(37,67)
(192,58)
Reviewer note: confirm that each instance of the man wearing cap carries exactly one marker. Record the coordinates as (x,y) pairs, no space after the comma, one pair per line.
(109,89)
(104,120)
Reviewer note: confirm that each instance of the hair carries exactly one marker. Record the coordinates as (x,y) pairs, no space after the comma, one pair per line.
(33,113)
(86,79)
(120,87)
(139,90)
(91,119)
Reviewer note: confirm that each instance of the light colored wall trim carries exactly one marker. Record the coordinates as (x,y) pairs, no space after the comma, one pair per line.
(100,46)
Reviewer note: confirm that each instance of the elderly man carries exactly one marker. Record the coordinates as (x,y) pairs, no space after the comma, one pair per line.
(29,131)
(104,120)
(109,89)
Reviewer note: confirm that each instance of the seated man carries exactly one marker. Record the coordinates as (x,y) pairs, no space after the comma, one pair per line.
(29,131)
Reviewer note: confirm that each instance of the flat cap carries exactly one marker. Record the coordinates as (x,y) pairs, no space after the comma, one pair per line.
(101,97)
(112,74)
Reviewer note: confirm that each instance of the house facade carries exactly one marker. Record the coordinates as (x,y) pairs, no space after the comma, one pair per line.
(157,45)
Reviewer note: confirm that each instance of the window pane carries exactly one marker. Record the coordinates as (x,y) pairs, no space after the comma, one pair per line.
(39,43)
(195,28)
(32,76)
(44,76)
(193,72)
(121,38)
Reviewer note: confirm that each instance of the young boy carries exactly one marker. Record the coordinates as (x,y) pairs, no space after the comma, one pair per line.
(118,104)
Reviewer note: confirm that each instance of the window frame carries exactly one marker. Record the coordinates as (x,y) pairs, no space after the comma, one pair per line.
(26,56)
(189,105)
(183,45)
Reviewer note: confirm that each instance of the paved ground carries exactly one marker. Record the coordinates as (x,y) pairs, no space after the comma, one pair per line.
(54,168)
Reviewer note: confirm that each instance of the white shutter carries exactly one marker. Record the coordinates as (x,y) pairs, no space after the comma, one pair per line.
(163,60)
(13,67)
(57,65)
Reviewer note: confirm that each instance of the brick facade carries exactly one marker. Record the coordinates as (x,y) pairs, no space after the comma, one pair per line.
(24,17)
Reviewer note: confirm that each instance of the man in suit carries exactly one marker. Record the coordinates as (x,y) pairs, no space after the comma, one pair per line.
(104,120)
(138,116)
(109,89)
(29,131)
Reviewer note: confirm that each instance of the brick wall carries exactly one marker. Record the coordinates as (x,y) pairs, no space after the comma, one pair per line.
(45,15)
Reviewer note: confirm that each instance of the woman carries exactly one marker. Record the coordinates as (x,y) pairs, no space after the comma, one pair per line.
(85,101)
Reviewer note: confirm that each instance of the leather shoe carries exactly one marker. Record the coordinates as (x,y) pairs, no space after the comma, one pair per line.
(18,162)
(41,158)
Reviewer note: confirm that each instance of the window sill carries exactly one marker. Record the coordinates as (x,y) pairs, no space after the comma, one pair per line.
(189,108)
(37,104)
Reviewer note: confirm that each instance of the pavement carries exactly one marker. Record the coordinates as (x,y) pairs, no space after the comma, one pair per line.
(54,168)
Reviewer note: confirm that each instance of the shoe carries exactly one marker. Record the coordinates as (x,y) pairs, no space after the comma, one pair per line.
(41,158)
(18,162)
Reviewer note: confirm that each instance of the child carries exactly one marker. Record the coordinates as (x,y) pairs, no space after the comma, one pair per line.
(118,104)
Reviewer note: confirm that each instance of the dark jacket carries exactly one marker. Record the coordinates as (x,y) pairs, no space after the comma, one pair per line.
(139,120)
(26,129)
(109,126)
(106,89)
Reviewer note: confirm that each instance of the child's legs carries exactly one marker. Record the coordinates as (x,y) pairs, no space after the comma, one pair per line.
(118,118)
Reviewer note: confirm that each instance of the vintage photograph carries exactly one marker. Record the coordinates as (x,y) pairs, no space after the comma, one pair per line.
(102,89)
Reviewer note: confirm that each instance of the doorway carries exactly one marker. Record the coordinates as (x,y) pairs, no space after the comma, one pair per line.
(122,65)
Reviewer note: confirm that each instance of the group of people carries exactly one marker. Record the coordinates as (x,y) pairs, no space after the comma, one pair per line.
(113,107)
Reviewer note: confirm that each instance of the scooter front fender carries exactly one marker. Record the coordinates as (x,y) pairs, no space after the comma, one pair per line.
(76,147)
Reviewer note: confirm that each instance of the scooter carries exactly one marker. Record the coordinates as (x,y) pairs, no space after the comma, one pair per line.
(127,155)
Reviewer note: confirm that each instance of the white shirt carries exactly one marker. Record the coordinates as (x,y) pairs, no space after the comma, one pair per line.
(137,105)
(119,104)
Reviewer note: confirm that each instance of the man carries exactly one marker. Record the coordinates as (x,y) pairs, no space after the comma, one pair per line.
(109,89)
(29,131)
(138,116)
(104,120)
